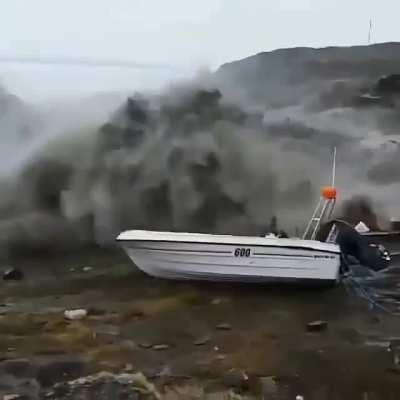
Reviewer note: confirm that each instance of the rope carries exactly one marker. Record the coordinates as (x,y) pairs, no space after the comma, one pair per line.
(363,293)
(351,282)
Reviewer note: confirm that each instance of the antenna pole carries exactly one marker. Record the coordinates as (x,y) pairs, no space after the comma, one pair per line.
(370,31)
(334,167)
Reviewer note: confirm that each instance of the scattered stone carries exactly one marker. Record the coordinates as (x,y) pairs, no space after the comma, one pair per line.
(378,343)
(224,327)
(140,381)
(221,357)
(299,397)
(86,269)
(215,302)
(268,386)
(75,314)
(317,326)
(235,378)
(72,270)
(11,396)
(202,340)
(137,381)
(128,368)
(161,347)
(90,379)
(146,345)
(13,274)
(49,394)
(125,379)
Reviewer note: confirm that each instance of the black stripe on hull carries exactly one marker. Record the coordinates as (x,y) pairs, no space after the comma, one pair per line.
(219,252)
(229,244)
(182,250)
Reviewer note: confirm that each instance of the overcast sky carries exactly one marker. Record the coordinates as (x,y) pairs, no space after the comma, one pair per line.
(185,34)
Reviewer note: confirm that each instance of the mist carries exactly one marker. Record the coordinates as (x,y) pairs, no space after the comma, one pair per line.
(197,155)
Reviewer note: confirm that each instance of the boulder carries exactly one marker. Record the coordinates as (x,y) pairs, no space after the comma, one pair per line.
(13,274)
(317,326)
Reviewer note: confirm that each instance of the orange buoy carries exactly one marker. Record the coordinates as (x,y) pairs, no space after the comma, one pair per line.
(329,192)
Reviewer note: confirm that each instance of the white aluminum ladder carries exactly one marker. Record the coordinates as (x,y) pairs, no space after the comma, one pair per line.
(324,207)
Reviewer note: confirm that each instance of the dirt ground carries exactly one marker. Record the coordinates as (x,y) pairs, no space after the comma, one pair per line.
(189,340)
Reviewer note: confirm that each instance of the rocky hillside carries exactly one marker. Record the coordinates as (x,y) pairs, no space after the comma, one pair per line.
(285,76)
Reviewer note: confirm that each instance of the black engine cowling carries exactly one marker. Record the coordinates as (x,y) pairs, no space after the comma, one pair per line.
(355,247)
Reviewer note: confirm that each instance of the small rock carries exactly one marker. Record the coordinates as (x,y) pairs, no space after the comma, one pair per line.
(236,379)
(299,397)
(72,270)
(146,345)
(140,381)
(11,396)
(161,347)
(378,343)
(128,368)
(75,314)
(7,305)
(268,386)
(221,357)
(317,326)
(215,302)
(202,340)
(13,274)
(224,327)
(90,379)
(125,379)
(49,394)
(86,269)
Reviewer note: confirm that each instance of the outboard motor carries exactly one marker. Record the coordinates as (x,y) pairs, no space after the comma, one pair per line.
(355,248)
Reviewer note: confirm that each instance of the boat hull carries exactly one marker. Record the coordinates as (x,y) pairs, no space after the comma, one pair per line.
(232,262)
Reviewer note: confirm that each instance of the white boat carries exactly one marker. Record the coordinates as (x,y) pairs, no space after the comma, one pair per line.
(196,256)
(179,255)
